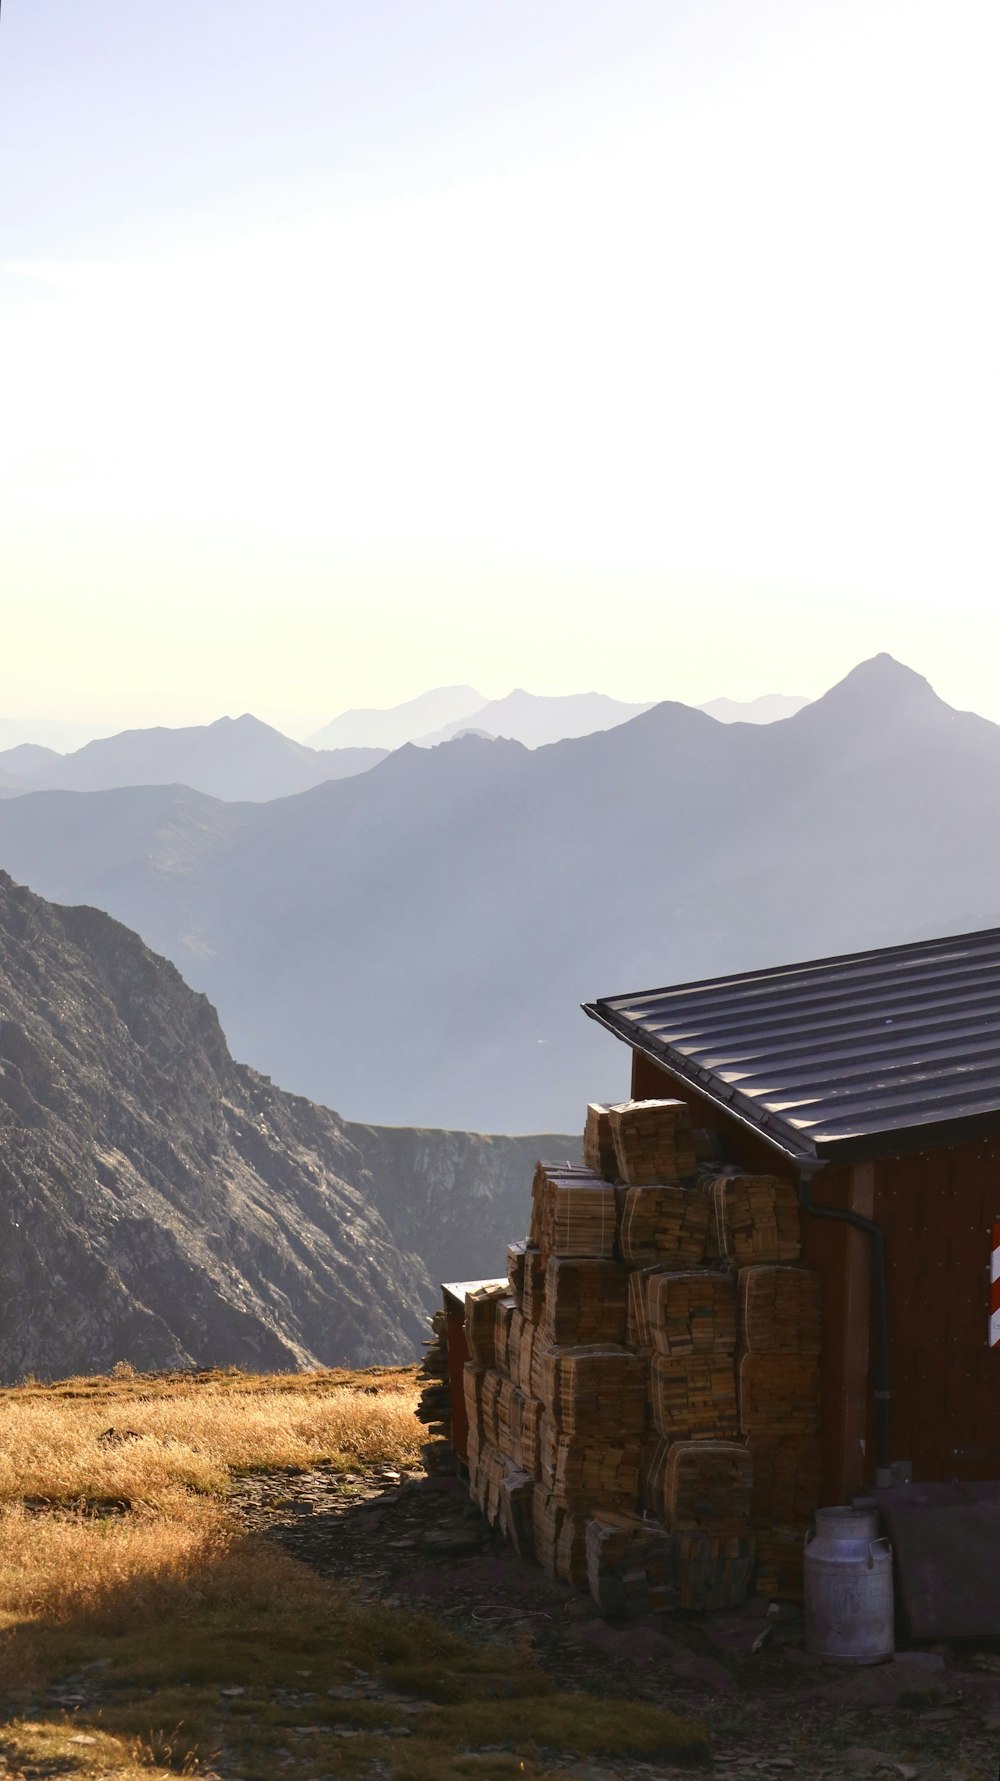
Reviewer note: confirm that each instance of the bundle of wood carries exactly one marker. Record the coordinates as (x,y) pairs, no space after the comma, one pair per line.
(694,1397)
(504,1312)
(571,1550)
(486,1470)
(708,1485)
(515,1342)
(517,1491)
(532,1413)
(754,1218)
(533,1291)
(779,1396)
(493,1382)
(594,1391)
(576,1212)
(434,1408)
(472,1392)
(508,1414)
(692,1312)
(516,1253)
(547,1517)
(525,1356)
(780,1309)
(637,1332)
(480,1323)
(712,1570)
(585,1301)
(541,1348)
(630,1565)
(665,1222)
(652,1473)
(787,1480)
(599,1151)
(780,1557)
(653,1141)
(585,1473)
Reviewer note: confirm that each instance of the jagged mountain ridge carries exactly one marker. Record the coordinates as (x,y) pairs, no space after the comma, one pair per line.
(455,905)
(166,1206)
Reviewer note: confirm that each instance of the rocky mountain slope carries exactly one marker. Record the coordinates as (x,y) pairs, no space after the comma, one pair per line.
(413,944)
(163,1205)
(233,758)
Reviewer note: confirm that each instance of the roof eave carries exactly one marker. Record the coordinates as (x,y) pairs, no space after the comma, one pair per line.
(783,1138)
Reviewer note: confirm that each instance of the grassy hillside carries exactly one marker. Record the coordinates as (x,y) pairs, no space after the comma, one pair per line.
(145,1633)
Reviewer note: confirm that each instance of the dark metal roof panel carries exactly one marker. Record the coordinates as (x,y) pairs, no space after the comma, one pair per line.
(840,1057)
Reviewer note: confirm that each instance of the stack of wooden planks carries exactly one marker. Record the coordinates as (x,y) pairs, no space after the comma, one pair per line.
(780,1310)
(754,1218)
(694,1397)
(653,1142)
(599,1151)
(712,1570)
(708,1485)
(481,1323)
(584,1472)
(656,1345)
(630,1565)
(780,1320)
(585,1300)
(692,1312)
(663,1222)
(575,1212)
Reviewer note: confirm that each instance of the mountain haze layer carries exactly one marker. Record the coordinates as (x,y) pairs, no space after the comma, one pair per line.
(165,1206)
(233,758)
(368,727)
(414,943)
(536,720)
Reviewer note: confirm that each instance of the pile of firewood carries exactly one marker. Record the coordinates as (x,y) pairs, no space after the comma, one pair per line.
(434,1407)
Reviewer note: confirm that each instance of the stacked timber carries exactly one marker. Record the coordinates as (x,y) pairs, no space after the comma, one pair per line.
(434,1407)
(585,1301)
(630,1565)
(505,1309)
(708,1485)
(480,1323)
(586,1472)
(754,1218)
(599,1151)
(712,1570)
(653,1142)
(692,1312)
(662,1222)
(637,1330)
(515,1519)
(575,1212)
(780,1313)
(533,1292)
(694,1397)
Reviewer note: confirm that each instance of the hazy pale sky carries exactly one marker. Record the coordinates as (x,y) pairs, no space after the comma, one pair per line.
(351,349)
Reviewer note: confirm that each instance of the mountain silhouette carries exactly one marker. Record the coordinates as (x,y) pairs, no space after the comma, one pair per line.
(413,944)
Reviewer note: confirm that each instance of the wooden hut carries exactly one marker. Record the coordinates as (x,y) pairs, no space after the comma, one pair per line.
(872,1082)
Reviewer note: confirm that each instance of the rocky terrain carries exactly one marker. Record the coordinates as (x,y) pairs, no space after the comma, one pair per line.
(163,1205)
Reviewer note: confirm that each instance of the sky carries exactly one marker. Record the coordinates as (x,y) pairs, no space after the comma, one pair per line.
(648,346)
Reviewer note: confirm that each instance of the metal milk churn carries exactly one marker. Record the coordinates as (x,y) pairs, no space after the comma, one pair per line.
(848,1588)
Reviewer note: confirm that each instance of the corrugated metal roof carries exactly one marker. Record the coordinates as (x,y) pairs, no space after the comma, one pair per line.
(840,1057)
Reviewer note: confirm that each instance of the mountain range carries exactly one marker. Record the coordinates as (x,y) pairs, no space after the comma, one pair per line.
(165,1206)
(413,944)
(234,759)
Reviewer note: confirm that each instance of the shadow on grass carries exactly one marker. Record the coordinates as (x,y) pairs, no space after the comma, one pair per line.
(218,1654)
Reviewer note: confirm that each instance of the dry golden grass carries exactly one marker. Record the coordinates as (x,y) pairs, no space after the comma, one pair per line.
(194,1432)
(198,1650)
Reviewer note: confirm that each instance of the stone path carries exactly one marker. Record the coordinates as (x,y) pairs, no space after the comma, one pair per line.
(416,1542)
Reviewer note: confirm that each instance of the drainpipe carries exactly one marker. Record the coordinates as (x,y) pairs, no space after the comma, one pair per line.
(880,1299)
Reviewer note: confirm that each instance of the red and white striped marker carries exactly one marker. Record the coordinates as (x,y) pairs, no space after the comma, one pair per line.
(995,1287)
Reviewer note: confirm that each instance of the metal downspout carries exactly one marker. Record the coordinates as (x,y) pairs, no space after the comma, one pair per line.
(880,1297)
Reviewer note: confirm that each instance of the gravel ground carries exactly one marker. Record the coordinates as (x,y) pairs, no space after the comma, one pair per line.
(931,1714)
